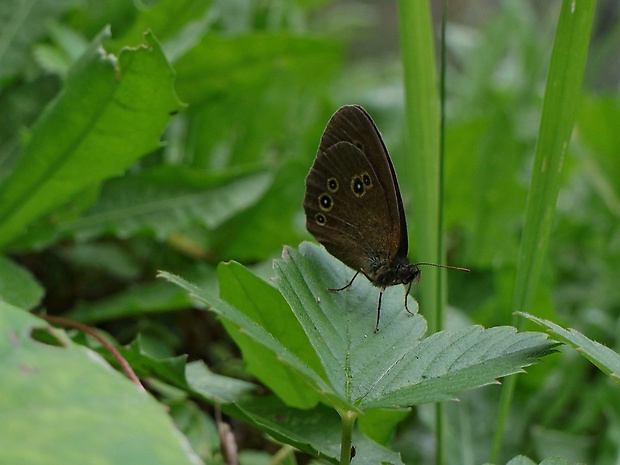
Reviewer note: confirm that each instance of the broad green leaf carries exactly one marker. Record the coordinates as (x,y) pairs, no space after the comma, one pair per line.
(265,305)
(69,406)
(360,369)
(112,111)
(18,286)
(259,334)
(340,324)
(602,356)
(395,367)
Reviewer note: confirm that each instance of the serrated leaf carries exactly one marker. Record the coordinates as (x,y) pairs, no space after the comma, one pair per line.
(602,356)
(112,111)
(360,370)
(393,368)
(64,398)
(259,334)
(265,305)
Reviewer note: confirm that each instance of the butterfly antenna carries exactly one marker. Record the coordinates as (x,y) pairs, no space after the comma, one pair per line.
(458,268)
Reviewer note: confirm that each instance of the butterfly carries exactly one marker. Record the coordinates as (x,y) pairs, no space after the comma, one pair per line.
(353,204)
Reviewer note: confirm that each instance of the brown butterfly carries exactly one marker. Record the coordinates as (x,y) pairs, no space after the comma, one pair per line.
(353,204)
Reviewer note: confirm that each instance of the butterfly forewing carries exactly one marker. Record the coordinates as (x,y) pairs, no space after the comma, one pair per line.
(353,124)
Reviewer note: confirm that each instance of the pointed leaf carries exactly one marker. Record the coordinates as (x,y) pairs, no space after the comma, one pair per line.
(259,334)
(393,368)
(265,305)
(111,111)
(602,356)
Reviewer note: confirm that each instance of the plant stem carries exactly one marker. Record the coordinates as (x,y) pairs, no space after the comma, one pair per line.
(348,421)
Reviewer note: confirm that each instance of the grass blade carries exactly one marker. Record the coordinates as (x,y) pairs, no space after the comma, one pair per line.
(562,94)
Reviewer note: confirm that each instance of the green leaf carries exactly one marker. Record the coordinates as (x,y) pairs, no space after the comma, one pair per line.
(422,176)
(315,431)
(393,368)
(562,96)
(69,404)
(18,286)
(259,334)
(265,305)
(168,199)
(602,356)
(140,299)
(111,111)
(164,18)
(360,369)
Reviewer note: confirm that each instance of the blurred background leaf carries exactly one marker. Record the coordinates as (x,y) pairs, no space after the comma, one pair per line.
(204,161)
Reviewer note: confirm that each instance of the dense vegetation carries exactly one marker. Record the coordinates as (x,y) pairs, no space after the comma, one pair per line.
(151,150)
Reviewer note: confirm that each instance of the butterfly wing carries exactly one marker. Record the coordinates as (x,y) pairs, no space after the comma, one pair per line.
(351,123)
(347,208)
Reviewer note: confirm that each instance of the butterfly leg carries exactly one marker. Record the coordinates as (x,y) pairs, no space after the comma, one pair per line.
(407,295)
(379,310)
(348,285)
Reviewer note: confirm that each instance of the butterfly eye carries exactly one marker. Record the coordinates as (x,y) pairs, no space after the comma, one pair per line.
(332,184)
(320,219)
(325,202)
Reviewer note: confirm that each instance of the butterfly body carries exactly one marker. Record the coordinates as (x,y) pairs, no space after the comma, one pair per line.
(384,273)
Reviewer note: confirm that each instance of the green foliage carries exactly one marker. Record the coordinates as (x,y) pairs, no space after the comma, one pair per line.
(72,396)
(139,137)
(322,347)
